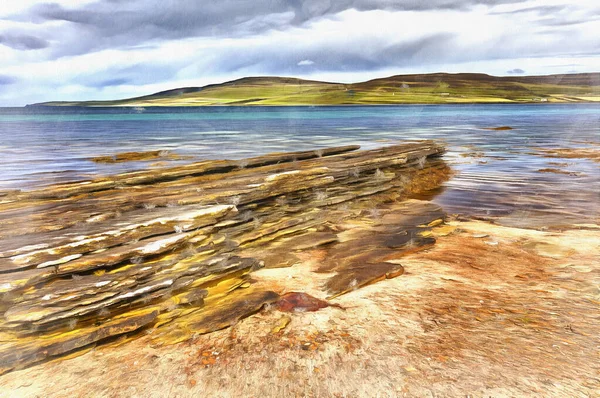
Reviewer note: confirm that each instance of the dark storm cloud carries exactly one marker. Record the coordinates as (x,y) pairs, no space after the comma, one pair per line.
(122,24)
(23,42)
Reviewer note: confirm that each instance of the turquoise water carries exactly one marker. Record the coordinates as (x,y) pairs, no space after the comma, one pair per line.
(40,146)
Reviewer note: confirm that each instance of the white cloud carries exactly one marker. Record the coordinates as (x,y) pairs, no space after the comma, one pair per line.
(305,62)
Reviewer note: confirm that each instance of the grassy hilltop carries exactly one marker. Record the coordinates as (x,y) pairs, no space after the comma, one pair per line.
(435,88)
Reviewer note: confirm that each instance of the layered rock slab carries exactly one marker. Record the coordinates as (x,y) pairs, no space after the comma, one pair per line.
(170,251)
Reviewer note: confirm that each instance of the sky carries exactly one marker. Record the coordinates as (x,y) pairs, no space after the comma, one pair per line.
(108,49)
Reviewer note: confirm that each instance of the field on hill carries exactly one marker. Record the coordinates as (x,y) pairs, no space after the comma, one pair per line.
(438,88)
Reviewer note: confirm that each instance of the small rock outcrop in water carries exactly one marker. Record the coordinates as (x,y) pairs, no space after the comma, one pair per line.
(501,128)
(169,251)
(137,156)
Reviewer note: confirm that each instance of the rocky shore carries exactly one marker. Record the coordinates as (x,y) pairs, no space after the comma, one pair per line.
(171,252)
(124,276)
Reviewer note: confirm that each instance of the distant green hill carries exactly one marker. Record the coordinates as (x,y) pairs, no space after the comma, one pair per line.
(435,88)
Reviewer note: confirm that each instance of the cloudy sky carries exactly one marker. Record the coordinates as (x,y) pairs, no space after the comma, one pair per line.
(106,49)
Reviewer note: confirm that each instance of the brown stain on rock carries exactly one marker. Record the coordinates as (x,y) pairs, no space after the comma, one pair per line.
(300,302)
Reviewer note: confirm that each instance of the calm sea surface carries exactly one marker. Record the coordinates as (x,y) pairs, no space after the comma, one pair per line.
(497,171)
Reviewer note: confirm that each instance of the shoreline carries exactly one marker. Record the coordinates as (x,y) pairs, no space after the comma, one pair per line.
(133,106)
(421,301)
(437,329)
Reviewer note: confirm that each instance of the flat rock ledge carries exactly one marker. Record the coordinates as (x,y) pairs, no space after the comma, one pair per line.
(168,252)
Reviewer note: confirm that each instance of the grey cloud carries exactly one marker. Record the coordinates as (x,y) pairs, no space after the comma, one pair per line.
(137,21)
(433,46)
(566,21)
(113,82)
(369,54)
(123,24)
(540,10)
(562,65)
(365,54)
(314,8)
(516,71)
(22,42)
(138,74)
(6,80)
(557,15)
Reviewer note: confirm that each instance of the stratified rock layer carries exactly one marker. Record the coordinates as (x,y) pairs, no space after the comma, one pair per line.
(169,251)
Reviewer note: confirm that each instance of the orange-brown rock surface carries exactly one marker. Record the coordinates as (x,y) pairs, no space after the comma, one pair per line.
(170,251)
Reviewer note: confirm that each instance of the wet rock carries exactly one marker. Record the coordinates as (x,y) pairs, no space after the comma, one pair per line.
(558,171)
(228,312)
(590,153)
(357,275)
(31,350)
(170,250)
(136,157)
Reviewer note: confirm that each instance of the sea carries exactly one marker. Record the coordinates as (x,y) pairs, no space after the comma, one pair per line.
(500,173)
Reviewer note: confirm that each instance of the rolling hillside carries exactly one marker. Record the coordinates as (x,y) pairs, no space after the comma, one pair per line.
(435,88)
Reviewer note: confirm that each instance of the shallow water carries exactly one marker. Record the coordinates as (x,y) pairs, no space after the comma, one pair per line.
(497,171)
